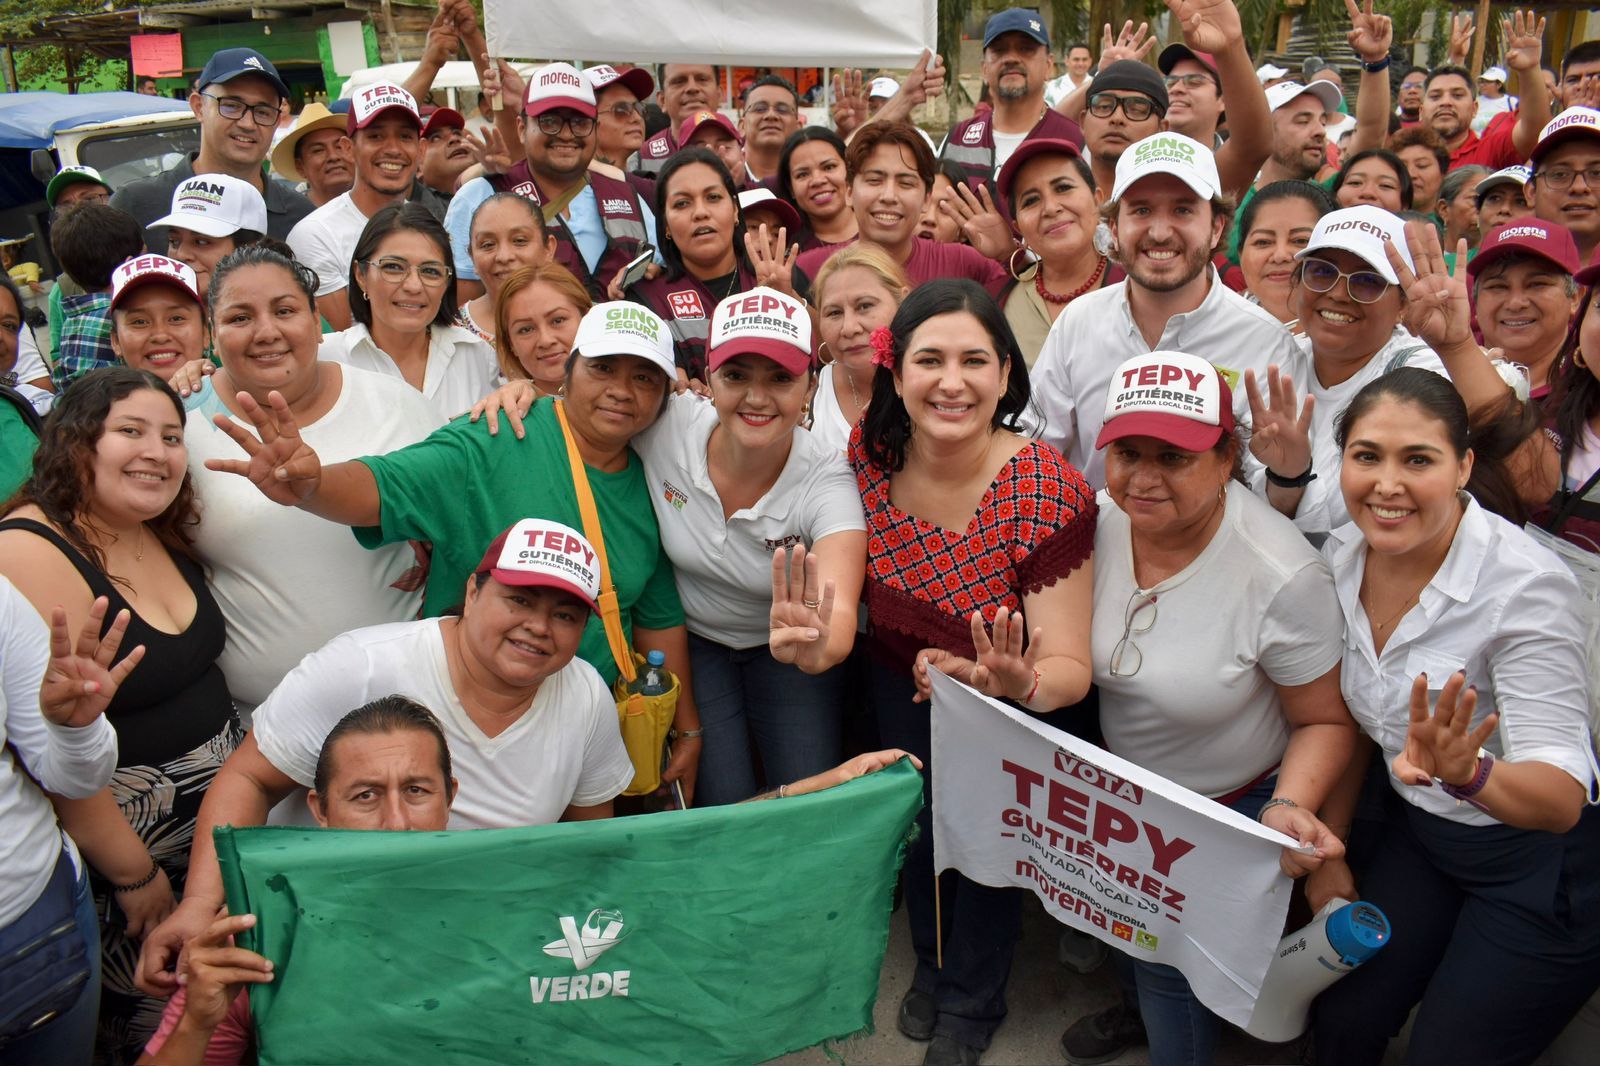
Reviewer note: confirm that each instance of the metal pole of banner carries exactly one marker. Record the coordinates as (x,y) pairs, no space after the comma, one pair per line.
(826,96)
(938,925)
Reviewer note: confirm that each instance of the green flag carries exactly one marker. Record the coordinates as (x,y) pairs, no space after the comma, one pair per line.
(729,934)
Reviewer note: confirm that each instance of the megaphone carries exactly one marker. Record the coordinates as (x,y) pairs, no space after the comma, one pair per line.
(1342,936)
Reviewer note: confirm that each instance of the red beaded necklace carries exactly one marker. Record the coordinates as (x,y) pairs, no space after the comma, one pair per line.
(1094,280)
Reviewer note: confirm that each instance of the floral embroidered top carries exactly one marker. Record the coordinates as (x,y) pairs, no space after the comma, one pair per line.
(1034,526)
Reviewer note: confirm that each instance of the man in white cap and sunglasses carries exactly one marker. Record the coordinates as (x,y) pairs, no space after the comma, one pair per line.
(238,99)
(385,126)
(1166,216)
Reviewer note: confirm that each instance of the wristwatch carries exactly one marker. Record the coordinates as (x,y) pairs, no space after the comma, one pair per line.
(1473,787)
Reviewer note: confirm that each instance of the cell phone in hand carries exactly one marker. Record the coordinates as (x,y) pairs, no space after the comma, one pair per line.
(634,272)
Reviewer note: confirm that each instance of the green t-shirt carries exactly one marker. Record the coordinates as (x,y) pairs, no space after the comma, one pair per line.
(460,488)
(17,445)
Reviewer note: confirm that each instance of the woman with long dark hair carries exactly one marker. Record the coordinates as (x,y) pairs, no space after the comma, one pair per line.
(944,472)
(812,176)
(1572,417)
(109,512)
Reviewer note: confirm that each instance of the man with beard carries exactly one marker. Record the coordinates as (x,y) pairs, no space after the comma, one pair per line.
(1449,102)
(386,131)
(318,152)
(1565,185)
(1299,131)
(238,99)
(1016,66)
(1166,214)
(771,113)
(682,89)
(599,222)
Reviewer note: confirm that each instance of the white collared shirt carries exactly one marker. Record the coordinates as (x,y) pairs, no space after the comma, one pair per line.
(461,368)
(724,563)
(1499,607)
(1322,506)
(1096,334)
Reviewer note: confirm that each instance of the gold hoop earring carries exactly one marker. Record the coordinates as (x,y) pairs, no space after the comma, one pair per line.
(823,357)
(1011,263)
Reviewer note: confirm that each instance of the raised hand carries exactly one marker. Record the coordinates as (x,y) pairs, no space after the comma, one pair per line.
(280,464)
(215,970)
(502,77)
(1436,309)
(1208,25)
(489,150)
(926,79)
(981,222)
(1129,44)
(444,39)
(1460,40)
(1371,35)
(1279,437)
(81,680)
(849,100)
(801,618)
(1523,34)
(1441,745)
(772,264)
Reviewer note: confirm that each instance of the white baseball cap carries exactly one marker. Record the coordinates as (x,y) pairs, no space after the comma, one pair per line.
(216,205)
(637,79)
(765,322)
(623,328)
(1172,396)
(1169,153)
(882,88)
(1326,92)
(144,269)
(558,85)
(1268,71)
(1494,74)
(367,104)
(1571,123)
(1361,231)
(539,553)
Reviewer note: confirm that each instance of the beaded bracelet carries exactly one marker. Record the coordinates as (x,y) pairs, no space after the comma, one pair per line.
(145,880)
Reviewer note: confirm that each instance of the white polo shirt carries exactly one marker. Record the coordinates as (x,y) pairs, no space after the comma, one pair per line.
(1322,506)
(1096,334)
(461,368)
(724,565)
(1499,607)
(565,749)
(325,240)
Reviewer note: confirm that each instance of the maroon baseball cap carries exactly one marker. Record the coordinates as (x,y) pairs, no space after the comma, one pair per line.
(1528,236)
(1025,151)
(694,122)
(537,552)
(1172,54)
(441,118)
(1591,273)
(366,105)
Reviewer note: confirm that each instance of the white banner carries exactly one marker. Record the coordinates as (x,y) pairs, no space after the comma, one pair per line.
(1159,872)
(885,33)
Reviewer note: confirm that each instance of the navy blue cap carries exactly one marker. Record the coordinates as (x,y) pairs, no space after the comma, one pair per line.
(1016,20)
(231,63)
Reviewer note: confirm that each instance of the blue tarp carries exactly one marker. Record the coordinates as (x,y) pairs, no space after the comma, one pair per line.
(30,120)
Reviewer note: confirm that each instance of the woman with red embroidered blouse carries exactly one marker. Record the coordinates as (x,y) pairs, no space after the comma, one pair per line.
(971,528)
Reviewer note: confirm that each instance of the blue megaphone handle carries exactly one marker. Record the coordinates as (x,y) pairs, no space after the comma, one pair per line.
(1357,931)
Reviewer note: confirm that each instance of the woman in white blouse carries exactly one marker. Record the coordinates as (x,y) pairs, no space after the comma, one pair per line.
(403,304)
(1465,663)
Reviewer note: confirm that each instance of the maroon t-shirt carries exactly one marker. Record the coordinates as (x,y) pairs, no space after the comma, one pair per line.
(929,260)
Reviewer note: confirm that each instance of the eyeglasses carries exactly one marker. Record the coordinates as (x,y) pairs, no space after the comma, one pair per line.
(1412,84)
(1137,108)
(621,110)
(785,110)
(1190,81)
(1127,651)
(395,270)
(550,124)
(233,109)
(1364,286)
(1563,177)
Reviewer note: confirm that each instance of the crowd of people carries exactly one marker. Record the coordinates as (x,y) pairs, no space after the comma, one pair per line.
(1082,407)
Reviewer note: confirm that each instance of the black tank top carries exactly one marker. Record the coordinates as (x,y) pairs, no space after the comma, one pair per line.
(176,699)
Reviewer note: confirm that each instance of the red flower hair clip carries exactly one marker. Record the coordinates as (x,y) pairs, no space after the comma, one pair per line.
(883,347)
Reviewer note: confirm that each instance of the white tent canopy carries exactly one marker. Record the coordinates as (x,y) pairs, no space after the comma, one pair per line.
(885,33)
(457,74)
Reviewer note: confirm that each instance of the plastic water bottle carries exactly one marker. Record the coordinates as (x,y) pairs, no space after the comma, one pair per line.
(1342,936)
(655,679)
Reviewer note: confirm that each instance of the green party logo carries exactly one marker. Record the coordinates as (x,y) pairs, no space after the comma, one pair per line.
(633,319)
(1163,149)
